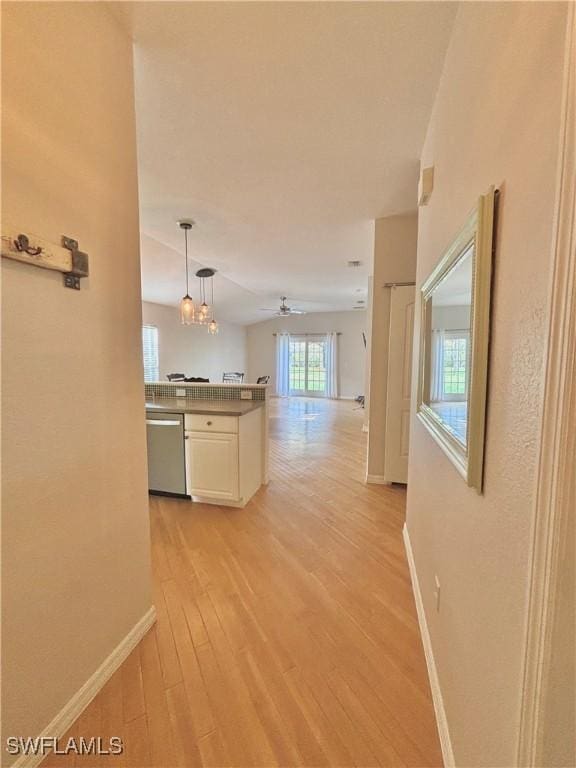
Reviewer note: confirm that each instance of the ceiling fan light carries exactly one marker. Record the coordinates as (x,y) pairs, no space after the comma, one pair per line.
(187,310)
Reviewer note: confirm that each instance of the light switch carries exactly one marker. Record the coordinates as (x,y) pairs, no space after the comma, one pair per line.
(180,393)
(245,394)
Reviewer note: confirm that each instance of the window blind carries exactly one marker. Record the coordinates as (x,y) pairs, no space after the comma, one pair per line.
(150,351)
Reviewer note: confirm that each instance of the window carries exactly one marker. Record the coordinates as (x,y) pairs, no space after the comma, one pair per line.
(307,366)
(150,349)
(454,359)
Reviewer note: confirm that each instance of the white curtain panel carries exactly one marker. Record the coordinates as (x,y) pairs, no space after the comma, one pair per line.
(437,377)
(283,364)
(332,365)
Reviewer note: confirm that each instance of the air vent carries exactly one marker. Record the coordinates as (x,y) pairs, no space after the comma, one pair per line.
(353,264)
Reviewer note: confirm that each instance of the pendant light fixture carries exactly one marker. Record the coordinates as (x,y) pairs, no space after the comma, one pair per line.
(204,314)
(187,309)
(204,309)
(213,325)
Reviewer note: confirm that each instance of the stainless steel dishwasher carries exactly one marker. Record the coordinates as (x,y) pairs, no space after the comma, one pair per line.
(166,455)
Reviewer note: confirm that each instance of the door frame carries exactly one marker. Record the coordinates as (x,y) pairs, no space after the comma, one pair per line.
(555,498)
(401,371)
(306,340)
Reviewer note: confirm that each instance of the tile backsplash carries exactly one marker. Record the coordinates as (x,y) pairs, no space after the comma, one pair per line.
(205,392)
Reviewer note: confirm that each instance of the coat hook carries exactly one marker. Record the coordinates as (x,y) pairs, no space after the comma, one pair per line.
(22,244)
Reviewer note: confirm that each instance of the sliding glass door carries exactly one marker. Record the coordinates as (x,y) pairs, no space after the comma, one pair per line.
(307,366)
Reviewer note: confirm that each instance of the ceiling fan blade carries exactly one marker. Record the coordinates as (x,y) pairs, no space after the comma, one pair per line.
(283,310)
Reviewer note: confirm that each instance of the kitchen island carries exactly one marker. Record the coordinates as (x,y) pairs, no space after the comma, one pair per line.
(209,449)
(203,407)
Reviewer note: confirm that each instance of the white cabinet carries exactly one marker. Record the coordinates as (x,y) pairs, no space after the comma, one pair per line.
(213,467)
(224,457)
(196,422)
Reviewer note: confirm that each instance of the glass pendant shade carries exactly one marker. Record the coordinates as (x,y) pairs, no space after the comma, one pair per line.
(187,310)
(213,327)
(203,312)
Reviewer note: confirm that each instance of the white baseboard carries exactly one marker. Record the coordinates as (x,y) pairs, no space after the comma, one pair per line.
(78,703)
(441,721)
(377,480)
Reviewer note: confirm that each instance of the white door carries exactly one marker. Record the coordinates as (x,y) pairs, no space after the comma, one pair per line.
(213,470)
(399,384)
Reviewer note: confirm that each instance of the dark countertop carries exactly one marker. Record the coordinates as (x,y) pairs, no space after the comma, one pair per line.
(203,407)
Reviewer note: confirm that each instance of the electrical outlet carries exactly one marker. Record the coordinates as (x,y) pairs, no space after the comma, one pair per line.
(245,394)
(180,393)
(437,592)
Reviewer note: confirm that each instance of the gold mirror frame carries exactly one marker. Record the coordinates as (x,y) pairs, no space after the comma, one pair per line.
(479,232)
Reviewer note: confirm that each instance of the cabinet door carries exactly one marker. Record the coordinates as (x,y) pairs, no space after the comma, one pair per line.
(213,465)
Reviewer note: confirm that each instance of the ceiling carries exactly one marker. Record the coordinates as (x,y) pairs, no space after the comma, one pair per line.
(283,129)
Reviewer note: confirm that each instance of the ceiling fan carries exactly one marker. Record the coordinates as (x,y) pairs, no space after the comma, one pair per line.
(284,309)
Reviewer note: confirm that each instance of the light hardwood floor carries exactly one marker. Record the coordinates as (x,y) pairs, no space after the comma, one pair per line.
(286,633)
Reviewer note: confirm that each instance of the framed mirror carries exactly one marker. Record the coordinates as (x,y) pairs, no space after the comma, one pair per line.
(455,327)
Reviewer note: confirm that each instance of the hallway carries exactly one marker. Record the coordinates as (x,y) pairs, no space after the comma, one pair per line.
(286,633)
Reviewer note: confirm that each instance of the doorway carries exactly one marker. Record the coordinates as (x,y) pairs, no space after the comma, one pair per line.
(307,366)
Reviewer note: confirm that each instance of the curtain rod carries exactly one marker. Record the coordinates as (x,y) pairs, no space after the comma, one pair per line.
(320,333)
(397,285)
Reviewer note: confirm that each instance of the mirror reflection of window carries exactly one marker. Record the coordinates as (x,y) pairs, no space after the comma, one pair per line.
(454,335)
(450,347)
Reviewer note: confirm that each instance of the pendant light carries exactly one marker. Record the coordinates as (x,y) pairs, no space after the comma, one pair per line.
(213,325)
(205,314)
(187,309)
(204,309)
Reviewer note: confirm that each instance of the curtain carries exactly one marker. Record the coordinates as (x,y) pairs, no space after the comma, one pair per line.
(332,365)
(283,364)
(437,373)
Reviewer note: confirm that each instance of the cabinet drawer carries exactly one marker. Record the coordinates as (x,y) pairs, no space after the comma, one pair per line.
(197,423)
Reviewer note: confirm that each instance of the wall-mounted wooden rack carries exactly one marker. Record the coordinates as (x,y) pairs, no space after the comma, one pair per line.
(31,249)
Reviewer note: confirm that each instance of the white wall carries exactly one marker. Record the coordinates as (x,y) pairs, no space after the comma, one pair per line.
(75,533)
(352,355)
(496,121)
(394,261)
(190,349)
